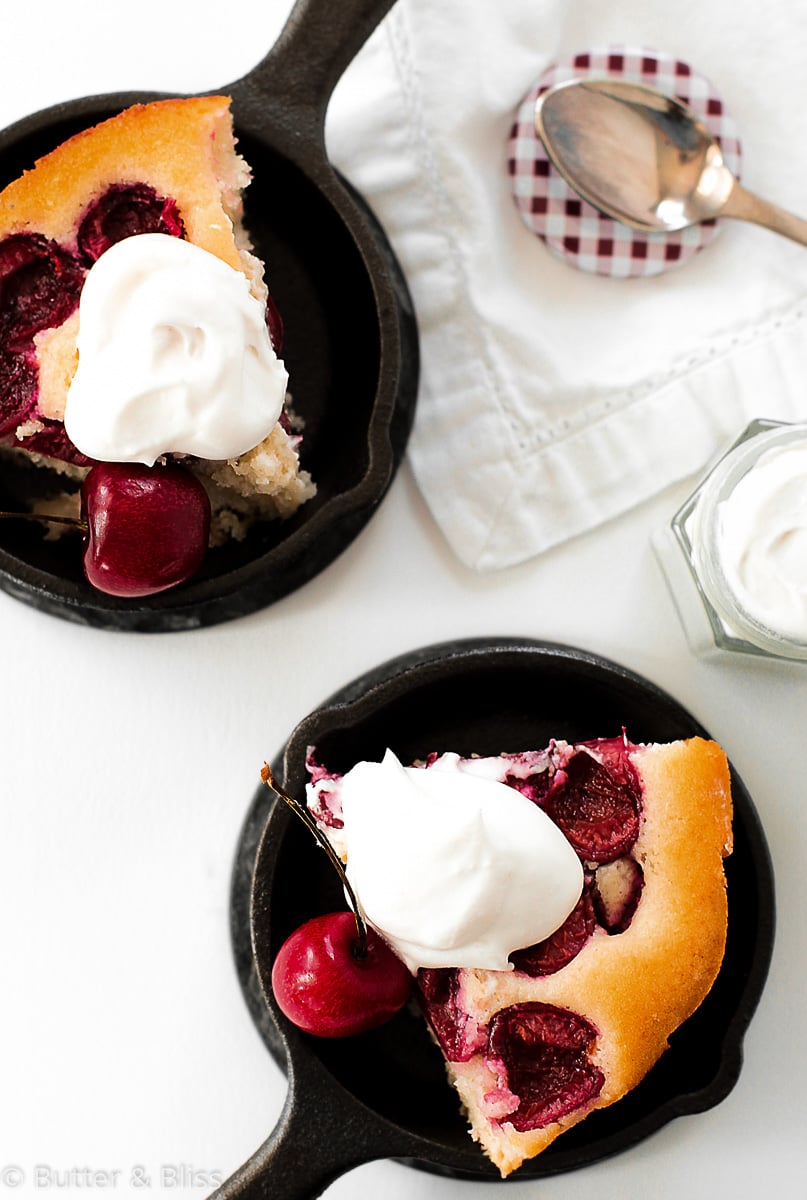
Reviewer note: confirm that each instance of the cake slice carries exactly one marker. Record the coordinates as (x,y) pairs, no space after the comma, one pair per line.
(584,1015)
(166,167)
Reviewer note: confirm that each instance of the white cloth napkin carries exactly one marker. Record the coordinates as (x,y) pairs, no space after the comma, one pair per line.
(553,400)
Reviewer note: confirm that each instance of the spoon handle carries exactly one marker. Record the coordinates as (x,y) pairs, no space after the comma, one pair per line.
(746,206)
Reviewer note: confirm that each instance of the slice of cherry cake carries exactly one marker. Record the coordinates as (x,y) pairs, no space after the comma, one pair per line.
(166,167)
(585,1014)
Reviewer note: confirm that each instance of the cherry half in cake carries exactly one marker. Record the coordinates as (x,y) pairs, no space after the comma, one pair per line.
(40,285)
(586,1013)
(40,288)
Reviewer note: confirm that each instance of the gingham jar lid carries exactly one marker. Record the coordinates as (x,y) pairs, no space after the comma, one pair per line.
(571,227)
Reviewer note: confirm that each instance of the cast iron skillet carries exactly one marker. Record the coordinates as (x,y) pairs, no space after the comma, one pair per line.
(351,341)
(384,1094)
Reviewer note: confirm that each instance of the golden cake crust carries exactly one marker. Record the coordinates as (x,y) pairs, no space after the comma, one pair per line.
(183,148)
(636,987)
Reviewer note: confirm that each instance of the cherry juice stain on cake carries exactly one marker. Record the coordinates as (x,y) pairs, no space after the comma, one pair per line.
(571,227)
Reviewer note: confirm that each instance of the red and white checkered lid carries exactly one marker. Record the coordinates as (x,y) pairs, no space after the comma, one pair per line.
(570,226)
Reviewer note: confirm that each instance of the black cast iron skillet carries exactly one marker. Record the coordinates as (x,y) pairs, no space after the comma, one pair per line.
(384,1094)
(350,345)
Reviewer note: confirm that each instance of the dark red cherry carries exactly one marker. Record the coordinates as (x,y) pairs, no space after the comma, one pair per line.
(40,284)
(335,976)
(437,991)
(324,986)
(123,211)
(18,387)
(52,441)
(147,527)
(554,952)
(541,1053)
(535,787)
(597,805)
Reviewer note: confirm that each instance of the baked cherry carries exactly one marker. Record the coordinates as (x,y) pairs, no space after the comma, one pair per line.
(334,976)
(51,440)
(147,527)
(541,1054)
(597,805)
(327,987)
(125,210)
(554,952)
(437,990)
(40,284)
(18,387)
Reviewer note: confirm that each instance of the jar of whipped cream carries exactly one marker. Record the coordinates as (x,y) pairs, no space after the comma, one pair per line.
(735,554)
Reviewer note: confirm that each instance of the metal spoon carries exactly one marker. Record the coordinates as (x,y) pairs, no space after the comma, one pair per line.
(645,159)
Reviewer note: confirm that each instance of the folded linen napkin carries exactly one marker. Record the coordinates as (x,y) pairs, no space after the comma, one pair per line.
(551,399)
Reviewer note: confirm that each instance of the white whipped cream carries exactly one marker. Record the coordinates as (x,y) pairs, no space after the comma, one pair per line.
(174,357)
(454,869)
(762,541)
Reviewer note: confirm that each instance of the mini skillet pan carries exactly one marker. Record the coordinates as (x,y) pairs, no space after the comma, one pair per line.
(384,1094)
(350,346)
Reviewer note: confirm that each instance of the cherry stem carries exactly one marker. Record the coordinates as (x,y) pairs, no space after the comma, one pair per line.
(52,520)
(305,816)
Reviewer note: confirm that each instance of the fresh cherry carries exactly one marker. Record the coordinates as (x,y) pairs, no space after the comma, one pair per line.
(326,987)
(335,977)
(147,527)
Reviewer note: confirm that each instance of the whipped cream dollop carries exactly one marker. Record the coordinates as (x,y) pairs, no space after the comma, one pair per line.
(454,869)
(761,540)
(174,357)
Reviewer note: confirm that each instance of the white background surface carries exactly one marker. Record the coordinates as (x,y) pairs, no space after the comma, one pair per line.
(129,762)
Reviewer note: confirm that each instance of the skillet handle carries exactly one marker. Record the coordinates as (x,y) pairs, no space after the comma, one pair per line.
(315,1141)
(292,85)
(298,1161)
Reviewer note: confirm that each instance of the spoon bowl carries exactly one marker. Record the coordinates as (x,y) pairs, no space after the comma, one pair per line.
(645,159)
(350,339)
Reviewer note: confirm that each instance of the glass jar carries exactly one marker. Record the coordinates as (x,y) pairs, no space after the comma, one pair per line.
(735,553)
